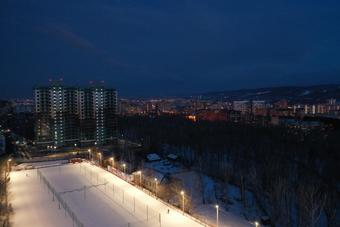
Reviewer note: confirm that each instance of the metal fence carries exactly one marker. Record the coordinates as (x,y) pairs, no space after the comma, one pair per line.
(62,204)
(117,194)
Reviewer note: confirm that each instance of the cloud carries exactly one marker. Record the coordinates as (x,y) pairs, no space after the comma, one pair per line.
(64,33)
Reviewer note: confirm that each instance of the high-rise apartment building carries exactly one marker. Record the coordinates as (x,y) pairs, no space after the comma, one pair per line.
(66,116)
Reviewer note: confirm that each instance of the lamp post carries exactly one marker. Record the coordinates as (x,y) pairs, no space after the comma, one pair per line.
(95,146)
(217,207)
(182,193)
(9,165)
(140,177)
(257,224)
(100,159)
(89,150)
(112,159)
(156,186)
(124,168)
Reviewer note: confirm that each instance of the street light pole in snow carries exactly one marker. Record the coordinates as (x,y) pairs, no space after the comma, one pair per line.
(112,162)
(217,207)
(140,177)
(182,193)
(124,168)
(89,150)
(9,164)
(156,186)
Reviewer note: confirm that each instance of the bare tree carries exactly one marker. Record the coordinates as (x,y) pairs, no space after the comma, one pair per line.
(280,198)
(331,207)
(311,203)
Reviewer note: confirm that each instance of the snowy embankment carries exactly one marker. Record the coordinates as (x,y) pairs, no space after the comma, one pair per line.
(204,190)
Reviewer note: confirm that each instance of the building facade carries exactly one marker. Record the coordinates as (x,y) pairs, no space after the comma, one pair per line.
(70,116)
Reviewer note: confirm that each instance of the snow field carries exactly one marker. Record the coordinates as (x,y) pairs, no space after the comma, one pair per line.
(87,200)
(174,218)
(98,198)
(32,204)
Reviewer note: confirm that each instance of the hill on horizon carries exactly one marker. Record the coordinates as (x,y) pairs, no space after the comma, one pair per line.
(296,94)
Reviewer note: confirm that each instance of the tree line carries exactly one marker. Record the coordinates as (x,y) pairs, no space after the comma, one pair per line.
(292,173)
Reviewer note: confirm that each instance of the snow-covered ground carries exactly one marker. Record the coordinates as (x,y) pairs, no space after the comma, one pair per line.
(164,167)
(207,212)
(205,193)
(31,203)
(106,201)
(204,189)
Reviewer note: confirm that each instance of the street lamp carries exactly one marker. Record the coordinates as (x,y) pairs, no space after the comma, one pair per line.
(124,167)
(155,186)
(100,158)
(89,150)
(112,159)
(257,224)
(217,207)
(182,193)
(140,177)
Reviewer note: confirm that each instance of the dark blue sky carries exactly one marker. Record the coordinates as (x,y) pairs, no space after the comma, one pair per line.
(168,47)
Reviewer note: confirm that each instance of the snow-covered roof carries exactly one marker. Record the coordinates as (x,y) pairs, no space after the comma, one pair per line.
(172,156)
(151,173)
(163,166)
(153,157)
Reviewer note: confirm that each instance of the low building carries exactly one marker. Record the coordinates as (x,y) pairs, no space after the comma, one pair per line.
(23,106)
(172,157)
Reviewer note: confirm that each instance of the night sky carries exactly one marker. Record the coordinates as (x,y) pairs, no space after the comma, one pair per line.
(168,47)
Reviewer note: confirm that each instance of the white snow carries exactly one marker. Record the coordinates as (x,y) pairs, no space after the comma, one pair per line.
(226,219)
(208,190)
(28,165)
(31,203)
(164,167)
(306,92)
(108,201)
(204,190)
(153,157)
(172,156)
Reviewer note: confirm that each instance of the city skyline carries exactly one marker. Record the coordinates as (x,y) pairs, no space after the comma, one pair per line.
(92,83)
(181,48)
